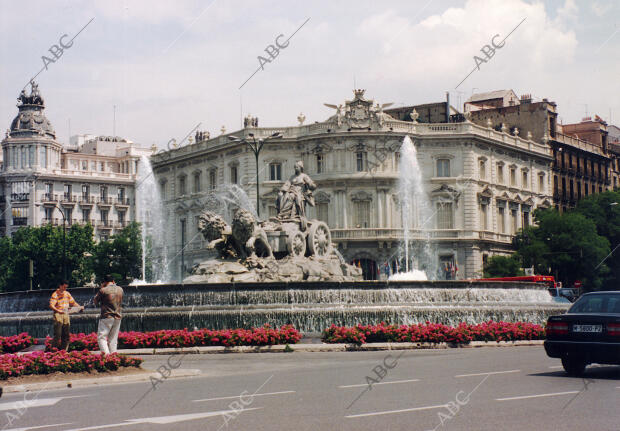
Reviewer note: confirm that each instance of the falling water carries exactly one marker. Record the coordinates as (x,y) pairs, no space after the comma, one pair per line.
(150,214)
(226,199)
(416,214)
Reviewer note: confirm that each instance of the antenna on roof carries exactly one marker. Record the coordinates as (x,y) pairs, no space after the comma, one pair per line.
(114,122)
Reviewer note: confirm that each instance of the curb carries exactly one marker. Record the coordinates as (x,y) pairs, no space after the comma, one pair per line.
(327,347)
(77,383)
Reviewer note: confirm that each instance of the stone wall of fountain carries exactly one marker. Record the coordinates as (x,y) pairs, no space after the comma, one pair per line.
(309,306)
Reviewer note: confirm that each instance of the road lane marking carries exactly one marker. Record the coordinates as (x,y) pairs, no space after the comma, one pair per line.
(488,374)
(34,427)
(161,420)
(536,396)
(556,366)
(375,384)
(389,412)
(39,402)
(239,396)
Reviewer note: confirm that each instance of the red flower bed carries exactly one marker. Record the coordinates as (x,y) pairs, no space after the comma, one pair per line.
(183,338)
(433,333)
(66,362)
(15,343)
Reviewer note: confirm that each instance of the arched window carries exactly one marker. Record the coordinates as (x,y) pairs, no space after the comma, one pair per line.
(182,185)
(443,167)
(197,187)
(163,185)
(275,172)
(445,217)
(361,159)
(213,179)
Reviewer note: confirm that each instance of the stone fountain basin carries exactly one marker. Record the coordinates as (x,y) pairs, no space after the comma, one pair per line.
(309,306)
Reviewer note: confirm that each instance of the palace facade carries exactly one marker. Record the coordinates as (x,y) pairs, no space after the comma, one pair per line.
(483,184)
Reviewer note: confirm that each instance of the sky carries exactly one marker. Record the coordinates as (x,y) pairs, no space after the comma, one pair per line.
(152,70)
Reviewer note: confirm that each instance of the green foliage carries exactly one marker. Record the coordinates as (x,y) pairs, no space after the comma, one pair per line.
(503,266)
(566,246)
(44,246)
(120,256)
(604,210)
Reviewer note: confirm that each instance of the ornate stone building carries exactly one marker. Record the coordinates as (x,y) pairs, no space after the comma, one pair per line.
(583,162)
(483,185)
(41,180)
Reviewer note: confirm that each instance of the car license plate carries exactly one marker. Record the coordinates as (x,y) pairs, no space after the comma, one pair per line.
(587,328)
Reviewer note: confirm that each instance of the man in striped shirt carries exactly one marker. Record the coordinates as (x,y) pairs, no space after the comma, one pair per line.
(60,302)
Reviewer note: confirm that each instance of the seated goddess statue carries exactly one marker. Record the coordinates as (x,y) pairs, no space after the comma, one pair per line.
(295,194)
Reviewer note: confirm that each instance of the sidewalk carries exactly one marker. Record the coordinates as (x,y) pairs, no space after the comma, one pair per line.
(324,347)
(144,376)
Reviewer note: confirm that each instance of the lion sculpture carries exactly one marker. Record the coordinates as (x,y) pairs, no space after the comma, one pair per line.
(244,240)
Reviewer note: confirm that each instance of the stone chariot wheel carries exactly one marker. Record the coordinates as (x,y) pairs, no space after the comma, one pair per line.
(296,244)
(319,239)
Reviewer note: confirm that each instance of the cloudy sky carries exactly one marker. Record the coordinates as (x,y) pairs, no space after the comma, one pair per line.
(168,65)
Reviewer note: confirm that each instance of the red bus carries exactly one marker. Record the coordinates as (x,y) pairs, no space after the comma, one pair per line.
(555,289)
(547,279)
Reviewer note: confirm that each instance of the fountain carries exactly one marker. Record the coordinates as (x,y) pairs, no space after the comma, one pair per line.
(417,214)
(149,212)
(287,247)
(285,270)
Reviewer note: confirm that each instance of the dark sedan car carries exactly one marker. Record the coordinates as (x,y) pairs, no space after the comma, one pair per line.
(589,332)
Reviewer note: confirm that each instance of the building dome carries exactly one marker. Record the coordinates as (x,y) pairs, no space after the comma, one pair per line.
(30,121)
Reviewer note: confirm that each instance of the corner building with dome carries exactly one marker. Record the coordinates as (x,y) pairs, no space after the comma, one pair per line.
(90,180)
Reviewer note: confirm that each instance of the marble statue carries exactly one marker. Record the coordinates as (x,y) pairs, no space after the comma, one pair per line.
(288,247)
(295,194)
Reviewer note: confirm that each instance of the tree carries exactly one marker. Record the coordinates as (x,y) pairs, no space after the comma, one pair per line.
(565,245)
(503,266)
(121,256)
(44,246)
(604,210)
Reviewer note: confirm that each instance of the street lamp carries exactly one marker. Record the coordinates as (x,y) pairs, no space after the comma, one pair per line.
(64,242)
(256,145)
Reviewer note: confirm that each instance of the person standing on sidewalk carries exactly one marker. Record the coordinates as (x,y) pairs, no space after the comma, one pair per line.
(60,302)
(110,298)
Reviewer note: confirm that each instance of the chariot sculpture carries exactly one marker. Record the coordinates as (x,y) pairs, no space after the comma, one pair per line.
(289,233)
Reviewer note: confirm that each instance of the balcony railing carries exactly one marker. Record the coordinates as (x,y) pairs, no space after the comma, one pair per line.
(105,200)
(415,235)
(85,199)
(68,198)
(413,129)
(122,201)
(20,221)
(20,197)
(49,197)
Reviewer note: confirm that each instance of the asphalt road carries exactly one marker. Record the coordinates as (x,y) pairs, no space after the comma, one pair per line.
(458,389)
